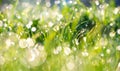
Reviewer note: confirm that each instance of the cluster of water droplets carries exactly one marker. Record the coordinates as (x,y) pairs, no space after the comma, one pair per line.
(34,56)
(11,44)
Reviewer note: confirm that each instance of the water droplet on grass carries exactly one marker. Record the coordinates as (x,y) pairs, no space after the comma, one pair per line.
(50,24)
(29,42)
(33,29)
(29,24)
(85,53)
(9,43)
(67,50)
(116,10)
(34,56)
(84,38)
(108,51)
(118,31)
(57,50)
(76,42)
(112,34)
(102,54)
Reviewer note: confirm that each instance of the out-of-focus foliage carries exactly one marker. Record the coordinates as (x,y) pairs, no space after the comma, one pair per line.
(67,36)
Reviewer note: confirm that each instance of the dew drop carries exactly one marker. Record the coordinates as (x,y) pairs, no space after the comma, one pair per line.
(50,24)
(67,50)
(116,10)
(102,54)
(29,42)
(112,34)
(85,53)
(57,50)
(29,24)
(9,43)
(108,51)
(33,29)
(118,31)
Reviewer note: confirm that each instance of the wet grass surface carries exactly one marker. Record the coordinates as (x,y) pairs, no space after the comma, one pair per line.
(64,37)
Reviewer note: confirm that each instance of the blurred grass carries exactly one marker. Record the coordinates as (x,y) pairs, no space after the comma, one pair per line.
(72,38)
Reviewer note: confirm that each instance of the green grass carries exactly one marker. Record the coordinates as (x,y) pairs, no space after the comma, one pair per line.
(72,38)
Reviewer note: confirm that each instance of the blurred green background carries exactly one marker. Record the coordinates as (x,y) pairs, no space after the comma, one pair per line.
(59,35)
